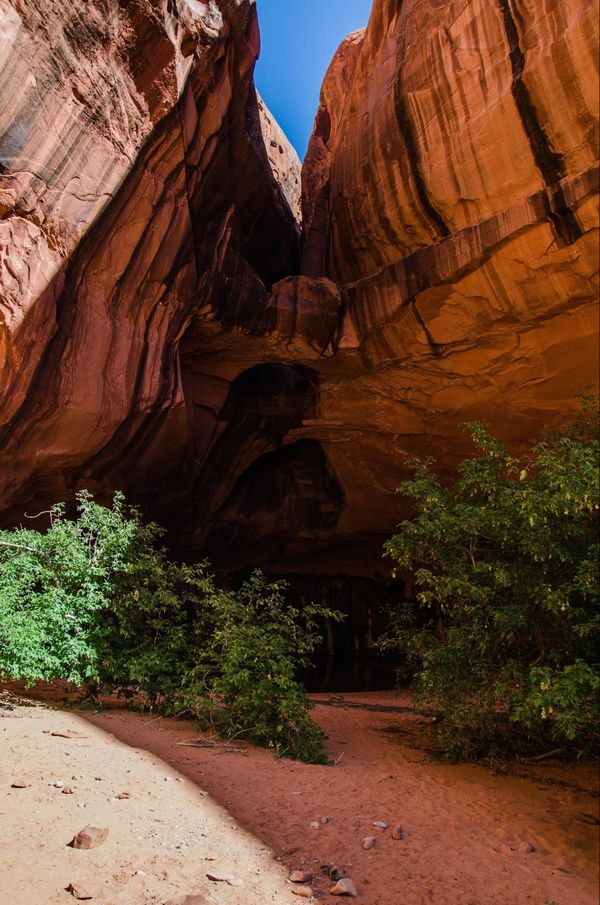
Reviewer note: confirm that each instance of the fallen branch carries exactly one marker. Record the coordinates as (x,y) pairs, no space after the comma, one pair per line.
(538,757)
(206,743)
(356,705)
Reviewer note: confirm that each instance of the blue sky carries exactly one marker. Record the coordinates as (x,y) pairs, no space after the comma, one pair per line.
(298,39)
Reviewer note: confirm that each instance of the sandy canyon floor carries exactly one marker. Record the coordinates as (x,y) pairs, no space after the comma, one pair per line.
(187,812)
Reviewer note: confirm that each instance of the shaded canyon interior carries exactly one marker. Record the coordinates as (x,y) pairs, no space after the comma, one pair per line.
(252,370)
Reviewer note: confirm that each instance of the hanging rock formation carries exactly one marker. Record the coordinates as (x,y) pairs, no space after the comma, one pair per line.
(158,332)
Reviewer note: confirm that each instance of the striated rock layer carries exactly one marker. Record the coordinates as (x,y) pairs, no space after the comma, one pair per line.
(157,331)
(139,191)
(450,190)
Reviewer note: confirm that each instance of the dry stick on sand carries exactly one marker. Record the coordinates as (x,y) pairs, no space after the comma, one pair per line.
(547,754)
(227,747)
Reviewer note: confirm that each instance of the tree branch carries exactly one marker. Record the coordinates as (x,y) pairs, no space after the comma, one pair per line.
(5,543)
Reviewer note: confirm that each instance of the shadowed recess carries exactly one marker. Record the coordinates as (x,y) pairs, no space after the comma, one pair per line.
(282,494)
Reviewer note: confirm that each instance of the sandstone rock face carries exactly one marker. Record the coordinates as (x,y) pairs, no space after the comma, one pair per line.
(157,331)
(284,163)
(451,192)
(316,171)
(137,195)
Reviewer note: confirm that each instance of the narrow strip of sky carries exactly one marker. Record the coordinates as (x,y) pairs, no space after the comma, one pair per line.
(298,40)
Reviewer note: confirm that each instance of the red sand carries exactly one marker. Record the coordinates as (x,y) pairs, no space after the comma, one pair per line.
(462,826)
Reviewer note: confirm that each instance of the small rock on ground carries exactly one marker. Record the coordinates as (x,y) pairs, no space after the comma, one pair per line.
(305,892)
(79,892)
(301,876)
(368,842)
(344,887)
(526,847)
(397,832)
(219,877)
(68,733)
(89,837)
(335,873)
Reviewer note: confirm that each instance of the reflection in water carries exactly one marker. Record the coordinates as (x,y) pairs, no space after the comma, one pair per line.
(345,674)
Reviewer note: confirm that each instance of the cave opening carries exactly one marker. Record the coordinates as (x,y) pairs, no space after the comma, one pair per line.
(278,396)
(276,504)
(263,404)
(279,508)
(346,658)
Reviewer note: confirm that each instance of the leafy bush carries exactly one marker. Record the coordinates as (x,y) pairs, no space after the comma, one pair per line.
(250,661)
(504,630)
(96,601)
(87,600)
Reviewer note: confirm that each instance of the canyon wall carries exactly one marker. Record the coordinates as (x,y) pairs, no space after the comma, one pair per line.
(141,180)
(451,193)
(159,331)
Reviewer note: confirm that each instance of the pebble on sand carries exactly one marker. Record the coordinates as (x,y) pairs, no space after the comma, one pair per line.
(89,837)
(335,873)
(78,891)
(368,842)
(305,892)
(300,876)
(526,848)
(218,877)
(68,733)
(344,887)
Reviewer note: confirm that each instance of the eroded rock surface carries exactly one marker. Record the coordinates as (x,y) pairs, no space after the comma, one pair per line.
(137,196)
(451,192)
(158,331)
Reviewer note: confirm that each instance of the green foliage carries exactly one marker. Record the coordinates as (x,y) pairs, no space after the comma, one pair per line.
(253,653)
(87,600)
(505,626)
(52,587)
(96,601)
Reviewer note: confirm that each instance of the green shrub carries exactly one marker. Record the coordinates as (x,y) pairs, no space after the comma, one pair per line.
(93,599)
(96,601)
(504,634)
(246,683)
(52,587)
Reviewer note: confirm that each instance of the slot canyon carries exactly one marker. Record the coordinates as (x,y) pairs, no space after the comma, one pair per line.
(252,702)
(251,350)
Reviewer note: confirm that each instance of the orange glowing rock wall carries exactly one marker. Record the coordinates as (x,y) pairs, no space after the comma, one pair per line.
(166,330)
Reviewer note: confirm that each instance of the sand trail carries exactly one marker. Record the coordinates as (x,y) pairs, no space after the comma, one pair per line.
(462,827)
(163,839)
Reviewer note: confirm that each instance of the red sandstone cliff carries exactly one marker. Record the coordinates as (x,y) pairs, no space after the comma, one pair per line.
(450,190)
(155,333)
(137,184)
